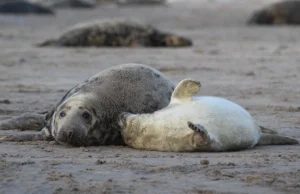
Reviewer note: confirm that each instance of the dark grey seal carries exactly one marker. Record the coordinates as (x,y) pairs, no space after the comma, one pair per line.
(67,3)
(88,113)
(141,2)
(23,7)
(116,33)
(285,12)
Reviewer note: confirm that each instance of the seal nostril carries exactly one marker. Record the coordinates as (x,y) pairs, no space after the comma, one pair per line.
(69,134)
(63,136)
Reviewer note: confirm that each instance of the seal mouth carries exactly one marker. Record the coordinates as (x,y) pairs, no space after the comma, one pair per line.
(78,142)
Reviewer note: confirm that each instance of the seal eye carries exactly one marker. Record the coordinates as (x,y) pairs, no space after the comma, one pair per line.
(86,116)
(62,114)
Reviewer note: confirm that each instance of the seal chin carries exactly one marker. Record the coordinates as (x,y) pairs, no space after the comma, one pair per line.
(76,143)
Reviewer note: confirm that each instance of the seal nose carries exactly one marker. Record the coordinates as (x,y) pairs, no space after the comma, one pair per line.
(67,135)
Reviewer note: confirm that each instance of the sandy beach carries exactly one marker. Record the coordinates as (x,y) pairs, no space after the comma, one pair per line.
(256,67)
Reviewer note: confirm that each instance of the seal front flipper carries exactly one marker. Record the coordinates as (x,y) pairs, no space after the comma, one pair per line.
(197,128)
(185,90)
(34,136)
(27,121)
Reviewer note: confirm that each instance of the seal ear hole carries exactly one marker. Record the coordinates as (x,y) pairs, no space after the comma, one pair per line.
(62,114)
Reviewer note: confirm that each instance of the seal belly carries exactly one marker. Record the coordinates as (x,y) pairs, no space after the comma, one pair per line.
(230,127)
(228,123)
(157,132)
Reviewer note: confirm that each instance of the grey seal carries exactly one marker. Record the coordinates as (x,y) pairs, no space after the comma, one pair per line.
(67,3)
(141,2)
(116,33)
(192,123)
(88,113)
(284,12)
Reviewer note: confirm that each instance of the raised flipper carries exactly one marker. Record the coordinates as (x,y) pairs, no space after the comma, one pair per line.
(185,90)
(197,128)
(27,121)
(269,139)
(34,136)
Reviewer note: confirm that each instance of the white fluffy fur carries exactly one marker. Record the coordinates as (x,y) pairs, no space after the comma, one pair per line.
(229,126)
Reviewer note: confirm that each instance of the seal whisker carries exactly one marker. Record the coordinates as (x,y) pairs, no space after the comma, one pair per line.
(104,139)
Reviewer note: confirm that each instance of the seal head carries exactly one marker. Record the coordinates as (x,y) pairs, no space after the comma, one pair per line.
(72,122)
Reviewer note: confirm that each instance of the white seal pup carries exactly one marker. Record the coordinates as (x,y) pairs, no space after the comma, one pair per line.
(88,113)
(191,123)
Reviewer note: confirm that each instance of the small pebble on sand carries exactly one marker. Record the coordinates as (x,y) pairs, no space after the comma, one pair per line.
(204,162)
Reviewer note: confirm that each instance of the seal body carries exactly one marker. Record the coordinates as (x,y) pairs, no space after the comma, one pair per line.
(194,124)
(116,33)
(88,113)
(141,2)
(67,3)
(285,12)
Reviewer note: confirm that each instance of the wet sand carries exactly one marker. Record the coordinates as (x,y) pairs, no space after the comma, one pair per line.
(257,67)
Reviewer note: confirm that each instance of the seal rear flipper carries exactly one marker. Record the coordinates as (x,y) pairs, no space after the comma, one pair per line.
(27,121)
(269,139)
(185,90)
(34,136)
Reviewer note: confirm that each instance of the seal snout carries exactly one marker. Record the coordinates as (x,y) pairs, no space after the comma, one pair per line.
(67,135)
